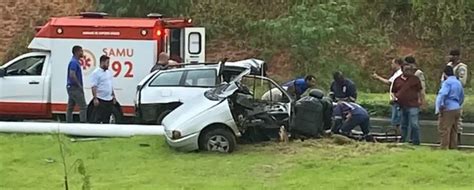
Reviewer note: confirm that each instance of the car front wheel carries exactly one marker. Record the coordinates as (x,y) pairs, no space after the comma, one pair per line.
(218,140)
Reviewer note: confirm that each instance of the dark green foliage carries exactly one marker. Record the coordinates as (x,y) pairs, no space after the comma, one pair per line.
(140,8)
(321,36)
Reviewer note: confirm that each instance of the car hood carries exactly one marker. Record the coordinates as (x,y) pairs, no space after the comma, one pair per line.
(188,111)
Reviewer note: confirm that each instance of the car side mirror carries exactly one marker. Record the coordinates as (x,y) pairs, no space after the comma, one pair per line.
(3,72)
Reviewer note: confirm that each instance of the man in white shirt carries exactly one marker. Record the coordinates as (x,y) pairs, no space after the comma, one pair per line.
(102,91)
(397,67)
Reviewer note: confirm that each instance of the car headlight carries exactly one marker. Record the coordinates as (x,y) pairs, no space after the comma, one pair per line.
(175,134)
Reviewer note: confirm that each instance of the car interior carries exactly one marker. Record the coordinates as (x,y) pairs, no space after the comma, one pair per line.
(27,66)
(257,119)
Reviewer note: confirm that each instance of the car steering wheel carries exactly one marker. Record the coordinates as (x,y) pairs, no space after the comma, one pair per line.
(23,72)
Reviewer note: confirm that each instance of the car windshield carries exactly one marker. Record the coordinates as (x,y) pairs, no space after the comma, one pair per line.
(226,89)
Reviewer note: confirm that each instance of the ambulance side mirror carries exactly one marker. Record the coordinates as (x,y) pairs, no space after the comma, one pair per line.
(3,72)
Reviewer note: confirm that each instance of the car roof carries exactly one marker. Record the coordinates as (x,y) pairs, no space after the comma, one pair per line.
(203,67)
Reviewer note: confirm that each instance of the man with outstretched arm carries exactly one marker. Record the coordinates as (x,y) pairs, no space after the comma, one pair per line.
(396,65)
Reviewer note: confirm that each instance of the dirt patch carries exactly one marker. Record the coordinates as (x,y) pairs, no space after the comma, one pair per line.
(279,65)
(225,48)
(327,147)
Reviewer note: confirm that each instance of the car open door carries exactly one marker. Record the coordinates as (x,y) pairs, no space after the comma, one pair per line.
(194,45)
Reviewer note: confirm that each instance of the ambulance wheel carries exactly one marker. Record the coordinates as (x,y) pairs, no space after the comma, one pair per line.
(60,118)
(117,116)
(162,116)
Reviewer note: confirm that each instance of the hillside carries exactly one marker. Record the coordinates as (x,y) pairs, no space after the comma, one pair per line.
(18,19)
(298,37)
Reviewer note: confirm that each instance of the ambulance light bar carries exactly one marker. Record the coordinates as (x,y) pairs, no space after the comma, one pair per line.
(155,15)
(93,14)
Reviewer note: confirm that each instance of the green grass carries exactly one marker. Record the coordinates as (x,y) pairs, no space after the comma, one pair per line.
(120,163)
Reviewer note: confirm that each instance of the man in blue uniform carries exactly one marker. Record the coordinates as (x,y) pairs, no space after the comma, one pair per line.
(298,86)
(349,115)
(343,88)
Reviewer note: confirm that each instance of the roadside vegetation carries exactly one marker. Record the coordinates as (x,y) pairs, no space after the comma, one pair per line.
(298,37)
(147,163)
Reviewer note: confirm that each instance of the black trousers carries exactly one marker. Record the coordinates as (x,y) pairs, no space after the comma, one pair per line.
(103,111)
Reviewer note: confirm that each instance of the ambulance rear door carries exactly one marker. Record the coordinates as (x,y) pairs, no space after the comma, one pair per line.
(194,44)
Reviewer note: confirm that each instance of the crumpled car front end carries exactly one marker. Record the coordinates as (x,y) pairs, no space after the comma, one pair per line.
(183,126)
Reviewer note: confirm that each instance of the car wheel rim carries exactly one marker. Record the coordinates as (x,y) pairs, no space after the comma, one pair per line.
(112,119)
(218,143)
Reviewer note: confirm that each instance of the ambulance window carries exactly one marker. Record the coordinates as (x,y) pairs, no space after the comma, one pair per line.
(194,43)
(167,79)
(32,66)
(201,78)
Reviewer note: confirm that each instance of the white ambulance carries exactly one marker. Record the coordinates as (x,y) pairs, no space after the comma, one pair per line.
(33,85)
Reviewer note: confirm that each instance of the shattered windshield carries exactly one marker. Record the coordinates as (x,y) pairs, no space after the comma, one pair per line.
(225,89)
(213,94)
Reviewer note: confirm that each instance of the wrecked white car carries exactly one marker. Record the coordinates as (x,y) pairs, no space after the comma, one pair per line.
(163,91)
(220,117)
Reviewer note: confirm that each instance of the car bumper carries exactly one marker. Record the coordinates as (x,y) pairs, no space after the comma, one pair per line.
(186,144)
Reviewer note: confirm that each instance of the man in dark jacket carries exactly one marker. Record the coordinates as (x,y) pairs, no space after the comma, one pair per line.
(343,88)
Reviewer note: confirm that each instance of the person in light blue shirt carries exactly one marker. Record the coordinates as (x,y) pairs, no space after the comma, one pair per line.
(448,107)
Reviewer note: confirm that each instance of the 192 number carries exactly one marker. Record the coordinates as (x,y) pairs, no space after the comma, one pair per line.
(117,68)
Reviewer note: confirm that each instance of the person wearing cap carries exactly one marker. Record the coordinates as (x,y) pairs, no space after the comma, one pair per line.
(407,90)
(448,108)
(163,62)
(343,88)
